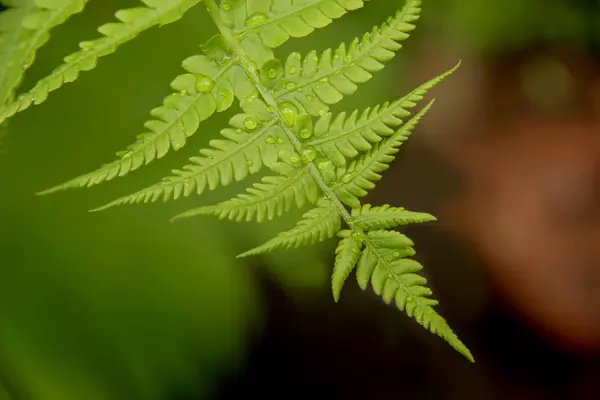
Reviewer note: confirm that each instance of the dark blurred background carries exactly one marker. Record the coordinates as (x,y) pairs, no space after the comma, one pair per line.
(124,305)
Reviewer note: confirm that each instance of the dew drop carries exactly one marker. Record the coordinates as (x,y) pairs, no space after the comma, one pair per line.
(316,59)
(323,164)
(293,70)
(270,140)
(225,7)
(177,146)
(256,19)
(294,159)
(291,86)
(272,73)
(279,141)
(346,178)
(204,84)
(250,123)
(238,131)
(309,97)
(305,133)
(336,57)
(322,112)
(324,80)
(396,254)
(309,155)
(249,163)
(297,56)
(289,113)
(270,109)
(348,58)
(409,299)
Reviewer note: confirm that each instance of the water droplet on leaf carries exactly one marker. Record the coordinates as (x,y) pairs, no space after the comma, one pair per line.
(250,123)
(270,140)
(289,113)
(204,84)
(305,133)
(256,19)
(309,155)
(346,178)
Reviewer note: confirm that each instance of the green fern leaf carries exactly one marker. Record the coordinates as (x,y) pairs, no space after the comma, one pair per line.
(206,88)
(317,82)
(270,198)
(24,29)
(133,21)
(347,255)
(275,21)
(370,218)
(315,226)
(342,137)
(248,145)
(359,177)
(395,279)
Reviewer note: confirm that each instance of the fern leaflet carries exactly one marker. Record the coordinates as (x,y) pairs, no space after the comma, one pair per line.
(24,29)
(315,226)
(133,21)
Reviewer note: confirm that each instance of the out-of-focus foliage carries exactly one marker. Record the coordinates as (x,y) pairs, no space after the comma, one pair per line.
(495,25)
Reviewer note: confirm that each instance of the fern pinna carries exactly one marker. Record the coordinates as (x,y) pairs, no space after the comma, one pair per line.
(314,158)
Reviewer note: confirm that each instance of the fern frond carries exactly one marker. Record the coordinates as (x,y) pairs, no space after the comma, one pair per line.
(248,145)
(275,21)
(342,137)
(395,279)
(284,125)
(24,29)
(205,89)
(268,199)
(347,255)
(317,82)
(133,21)
(370,218)
(315,226)
(358,178)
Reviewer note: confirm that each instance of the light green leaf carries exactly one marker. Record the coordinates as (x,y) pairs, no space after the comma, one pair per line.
(206,88)
(385,217)
(396,279)
(131,23)
(315,226)
(360,175)
(268,199)
(343,136)
(248,145)
(347,255)
(314,83)
(275,21)
(24,29)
